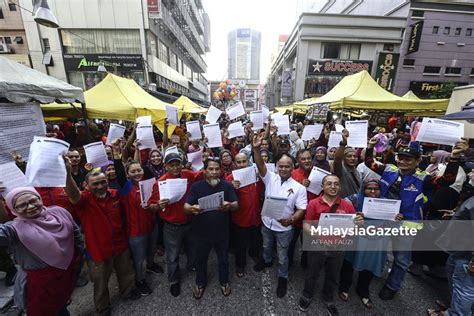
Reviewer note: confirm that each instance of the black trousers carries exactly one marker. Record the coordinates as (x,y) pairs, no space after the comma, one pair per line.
(203,248)
(246,238)
(363,280)
(291,248)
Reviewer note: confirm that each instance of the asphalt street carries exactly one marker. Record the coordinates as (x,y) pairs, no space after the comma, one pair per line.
(255,294)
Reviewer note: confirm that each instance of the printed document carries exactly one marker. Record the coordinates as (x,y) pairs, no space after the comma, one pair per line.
(146,188)
(312,131)
(316,178)
(442,132)
(357,133)
(144,120)
(334,139)
(334,220)
(172,189)
(246,176)
(235,110)
(145,136)
(12,177)
(213,114)
(274,207)
(283,124)
(116,131)
(96,155)
(256,117)
(172,114)
(195,159)
(211,202)
(236,129)
(213,135)
(383,209)
(194,128)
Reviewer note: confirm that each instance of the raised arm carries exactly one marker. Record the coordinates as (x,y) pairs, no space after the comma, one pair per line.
(165,134)
(257,158)
(72,191)
(129,143)
(339,157)
(369,157)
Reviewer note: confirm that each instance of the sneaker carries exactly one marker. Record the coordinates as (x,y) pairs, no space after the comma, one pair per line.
(10,277)
(386,293)
(175,289)
(281,288)
(261,265)
(133,295)
(332,310)
(154,268)
(143,288)
(304,304)
(81,281)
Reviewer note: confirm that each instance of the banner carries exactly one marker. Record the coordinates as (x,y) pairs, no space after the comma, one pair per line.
(338,67)
(154,11)
(90,62)
(387,70)
(286,83)
(423,88)
(415,37)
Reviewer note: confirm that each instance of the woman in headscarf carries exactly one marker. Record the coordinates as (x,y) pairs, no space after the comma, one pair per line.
(46,244)
(320,159)
(370,251)
(438,161)
(109,171)
(227,163)
(154,167)
(296,143)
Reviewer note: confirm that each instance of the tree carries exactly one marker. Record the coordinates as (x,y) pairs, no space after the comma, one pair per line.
(444,92)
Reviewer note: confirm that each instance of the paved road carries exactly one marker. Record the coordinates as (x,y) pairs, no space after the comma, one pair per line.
(255,294)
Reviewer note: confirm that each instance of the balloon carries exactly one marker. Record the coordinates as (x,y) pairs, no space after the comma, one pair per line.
(382,144)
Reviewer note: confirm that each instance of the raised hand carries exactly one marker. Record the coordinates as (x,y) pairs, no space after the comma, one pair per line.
(373,141)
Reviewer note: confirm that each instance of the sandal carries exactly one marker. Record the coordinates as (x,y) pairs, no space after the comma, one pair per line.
(442,305)
(239,272)
(198,292)
(367,302)
(225,289)
(344,296)
(433,312)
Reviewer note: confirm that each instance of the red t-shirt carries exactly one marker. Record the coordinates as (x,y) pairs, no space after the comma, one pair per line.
(249,212)
(101,222)
(318,206)
(55,196)
(299,175)
(174,213)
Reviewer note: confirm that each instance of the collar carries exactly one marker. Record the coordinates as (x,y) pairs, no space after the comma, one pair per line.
(322,201)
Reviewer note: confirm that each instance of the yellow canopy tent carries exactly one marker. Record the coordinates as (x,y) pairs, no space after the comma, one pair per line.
(187,106)
(360,91)
(411,96)
(295,108)
(116,98)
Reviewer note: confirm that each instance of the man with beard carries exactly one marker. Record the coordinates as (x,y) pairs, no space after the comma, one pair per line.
(211,226)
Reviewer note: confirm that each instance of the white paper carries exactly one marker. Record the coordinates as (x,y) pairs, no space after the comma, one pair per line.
(265,112)
(146,189)
(194,128)
(276,114)
(211,202)
(213,114)
(256,117)
(12,177)
(46,166)
(383,209)
(235,110)
(145,136)
(96,155)
(274,207)
(283,124)
(334,139)
(172,189)
(443,132)
(312,131)
(172,149)
(213,135)
(116,131)
(144,120)
(316,178)
(19,124)
(196,160)
(357,133)
(245,176)
(236,129)
(339,127)
(172,115)
(341,221)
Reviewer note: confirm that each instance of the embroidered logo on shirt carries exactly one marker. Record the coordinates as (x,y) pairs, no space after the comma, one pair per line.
(411,188)
(290,191)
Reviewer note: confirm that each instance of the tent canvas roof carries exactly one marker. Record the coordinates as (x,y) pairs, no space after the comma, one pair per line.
(188,106)
(21,84)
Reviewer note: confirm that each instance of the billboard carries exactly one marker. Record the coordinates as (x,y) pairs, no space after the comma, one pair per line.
(415,37)
(387,70)
(338,67)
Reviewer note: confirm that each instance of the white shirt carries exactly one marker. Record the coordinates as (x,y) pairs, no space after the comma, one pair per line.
(367,173)
(291,189)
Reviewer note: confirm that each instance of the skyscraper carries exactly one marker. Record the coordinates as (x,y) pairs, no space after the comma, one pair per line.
(244,54)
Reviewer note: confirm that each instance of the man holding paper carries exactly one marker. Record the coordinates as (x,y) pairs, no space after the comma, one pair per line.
(278,187)
(211,225)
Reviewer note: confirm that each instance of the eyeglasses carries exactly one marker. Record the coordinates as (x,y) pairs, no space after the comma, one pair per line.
(23,206)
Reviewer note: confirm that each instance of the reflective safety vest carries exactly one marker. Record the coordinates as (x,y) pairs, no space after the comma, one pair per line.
(411,191)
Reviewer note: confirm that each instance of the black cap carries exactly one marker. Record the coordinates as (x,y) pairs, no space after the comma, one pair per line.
(172,156)
(284,142)
(409,152)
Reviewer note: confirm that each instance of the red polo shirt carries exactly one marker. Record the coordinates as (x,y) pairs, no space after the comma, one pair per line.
(299,175)
(101,222)
(249,212)
(174,213)
(318,206)
(55,196)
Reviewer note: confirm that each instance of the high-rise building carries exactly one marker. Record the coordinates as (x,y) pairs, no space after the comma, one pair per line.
(13,42)
(244,54)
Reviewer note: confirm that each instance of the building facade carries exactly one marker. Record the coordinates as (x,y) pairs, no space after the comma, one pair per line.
(159,44)
(13,43)
(244,54)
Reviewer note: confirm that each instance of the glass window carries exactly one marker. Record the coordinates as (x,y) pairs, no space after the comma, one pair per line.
(354,51)
(12,7)
(331,50)
(472,71)
(453,71)
(80,41)
(1,14)
(468,32)
(8,40)
(388,47)
(447,30)
(435,30)
(431,70)
(409,62)
(418,13)
(75,78)
(457,31)
(46,46)
(172,63)
(162,52)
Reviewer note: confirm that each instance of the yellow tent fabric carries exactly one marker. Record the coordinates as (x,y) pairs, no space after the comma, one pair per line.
(187,106)
(360,91)
(410,96)
(295,108)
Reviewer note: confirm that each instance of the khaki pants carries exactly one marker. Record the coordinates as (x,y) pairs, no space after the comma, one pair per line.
(100,273)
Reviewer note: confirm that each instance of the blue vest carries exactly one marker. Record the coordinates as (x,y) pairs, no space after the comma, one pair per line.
(411,191)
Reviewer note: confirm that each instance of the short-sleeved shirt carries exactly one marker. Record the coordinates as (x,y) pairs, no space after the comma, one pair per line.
(250,208)
(318,206)
(211,225)
(291,189)
(300,175)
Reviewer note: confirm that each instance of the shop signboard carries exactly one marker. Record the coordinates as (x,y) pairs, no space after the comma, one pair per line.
(415,37)
(286,83)
(90,62)
(337,67)
(423,88)
(387,70)
(154,9)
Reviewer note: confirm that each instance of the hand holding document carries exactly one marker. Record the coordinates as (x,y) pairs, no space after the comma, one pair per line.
(213,114)
(213,135)
(144,120)
(273,207)
(235,110)
(115,132)
(96,155)
(334,139)
(211,202)
(172,189)
(146,188)
(257,119)
(383,209)
(316,178)
(339,127)
(194,128)
(236,129)
(265,112)
(283,124)
(196,160)
(443,132)
(334,220)
(46,166)
(172,114)
(312,131)
(357,133)
(12,177)
(145,136)
(245,176)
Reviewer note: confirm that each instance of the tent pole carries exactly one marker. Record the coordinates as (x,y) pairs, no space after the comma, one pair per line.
(84,116)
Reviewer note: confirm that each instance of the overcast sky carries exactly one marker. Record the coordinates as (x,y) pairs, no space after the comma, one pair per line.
(270,17)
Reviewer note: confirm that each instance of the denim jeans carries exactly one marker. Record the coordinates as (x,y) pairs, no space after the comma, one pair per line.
(401,262)
(203,248)
(143,248)
(174,237)
(283,240)
(461,286)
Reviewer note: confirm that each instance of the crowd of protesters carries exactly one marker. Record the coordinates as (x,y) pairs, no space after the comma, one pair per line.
(98,219)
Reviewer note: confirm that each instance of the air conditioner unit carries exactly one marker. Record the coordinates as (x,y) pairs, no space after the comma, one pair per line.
(3,48)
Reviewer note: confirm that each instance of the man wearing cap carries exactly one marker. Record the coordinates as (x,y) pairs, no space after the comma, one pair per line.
(177,224)
(410,185)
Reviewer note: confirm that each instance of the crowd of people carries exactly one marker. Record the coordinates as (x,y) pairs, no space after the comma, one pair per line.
(99,219)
